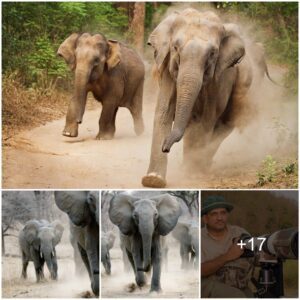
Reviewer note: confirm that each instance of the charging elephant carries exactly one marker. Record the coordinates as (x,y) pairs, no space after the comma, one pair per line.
(110,70)
(187,233)
(205,75)
(142,223)
(82,208)
(107,242)
(37,241)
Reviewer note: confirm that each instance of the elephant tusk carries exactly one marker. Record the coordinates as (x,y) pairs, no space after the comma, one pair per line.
(52,253)
(41,254)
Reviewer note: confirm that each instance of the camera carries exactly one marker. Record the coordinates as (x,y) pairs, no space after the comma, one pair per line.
(270,251)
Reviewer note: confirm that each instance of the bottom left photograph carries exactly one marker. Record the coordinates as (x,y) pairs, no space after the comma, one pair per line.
(50,244)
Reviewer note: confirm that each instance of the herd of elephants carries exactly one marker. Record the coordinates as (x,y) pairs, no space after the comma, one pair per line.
(206,70)
(143,224)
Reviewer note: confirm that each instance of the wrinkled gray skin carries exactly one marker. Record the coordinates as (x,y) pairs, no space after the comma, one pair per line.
(110,70)
(82,208)
(107,242)
(37,241)
(187,233)
(205,74)
(143,222)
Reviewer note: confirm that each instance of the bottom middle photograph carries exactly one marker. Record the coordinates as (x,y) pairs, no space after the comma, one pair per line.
(150,244)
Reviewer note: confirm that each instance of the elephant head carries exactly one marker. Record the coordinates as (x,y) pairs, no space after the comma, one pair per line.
(88,56)
(194,48)
(44,238)
(81,206)
(107,242)
(145,217)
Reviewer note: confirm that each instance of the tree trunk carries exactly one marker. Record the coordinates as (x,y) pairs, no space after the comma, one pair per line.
(137,26)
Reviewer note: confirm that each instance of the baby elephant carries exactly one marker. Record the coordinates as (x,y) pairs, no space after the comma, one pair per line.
(143,222)
(107,242)
(113,72)
(37,242)
(187,233)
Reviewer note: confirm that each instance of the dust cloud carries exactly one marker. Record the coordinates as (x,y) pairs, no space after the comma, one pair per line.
(67,285)
(175,283)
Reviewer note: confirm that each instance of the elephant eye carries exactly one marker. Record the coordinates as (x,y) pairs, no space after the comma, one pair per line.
(96,61)
(156,215)
(136,218)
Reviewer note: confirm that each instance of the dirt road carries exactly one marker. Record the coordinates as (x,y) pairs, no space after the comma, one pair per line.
(67,285)
(175,282)
(43,158)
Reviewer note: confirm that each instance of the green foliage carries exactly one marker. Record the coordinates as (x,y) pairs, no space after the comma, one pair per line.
(32,33)
(268,171)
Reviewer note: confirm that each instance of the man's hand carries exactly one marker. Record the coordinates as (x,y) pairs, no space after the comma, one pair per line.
(234,252)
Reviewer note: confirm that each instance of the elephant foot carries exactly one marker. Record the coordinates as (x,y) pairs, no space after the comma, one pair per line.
(131,287)
(70,131)
(154,180)
(106,136)
(155,290)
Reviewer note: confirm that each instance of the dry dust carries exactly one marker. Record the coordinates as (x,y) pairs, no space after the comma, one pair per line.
(67,285)
(175,282)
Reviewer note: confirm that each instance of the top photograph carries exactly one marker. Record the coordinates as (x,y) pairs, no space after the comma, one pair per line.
(142,95)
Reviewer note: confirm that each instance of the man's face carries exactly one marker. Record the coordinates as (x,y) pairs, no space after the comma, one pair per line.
(216,219)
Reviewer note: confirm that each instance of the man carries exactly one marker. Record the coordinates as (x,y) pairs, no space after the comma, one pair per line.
(224,273)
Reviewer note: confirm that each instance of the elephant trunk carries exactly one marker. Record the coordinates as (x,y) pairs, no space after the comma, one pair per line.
(77,104)
(147,244)
(188,87)
(48,256)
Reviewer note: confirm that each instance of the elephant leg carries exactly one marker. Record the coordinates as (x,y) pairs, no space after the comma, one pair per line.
(156,263)
(184,256)
(107,121)
(136,109)
(84,259)
(130,259)
(54,262)
(164,115)
(25,265)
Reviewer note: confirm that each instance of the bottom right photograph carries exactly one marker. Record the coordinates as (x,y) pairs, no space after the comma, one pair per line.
(249,244)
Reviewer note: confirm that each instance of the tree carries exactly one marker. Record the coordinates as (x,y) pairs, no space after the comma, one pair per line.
(137,26)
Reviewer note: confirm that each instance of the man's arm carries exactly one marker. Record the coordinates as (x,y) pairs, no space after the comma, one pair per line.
(212,266)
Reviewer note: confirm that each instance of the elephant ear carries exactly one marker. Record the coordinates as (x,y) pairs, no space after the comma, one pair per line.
(160,38)
(168,213)
(31,230)
(232,49)
(75,204)
(58,232)
(120,213)
(67,50)
(114,54)
(181,233)
(110,239)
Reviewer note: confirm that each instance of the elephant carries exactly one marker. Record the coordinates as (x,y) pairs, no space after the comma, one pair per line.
(114,74)
(37,241)
(187,233)
(205,76)
(143,223)
(80,268)
(107,242)
(82,208)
